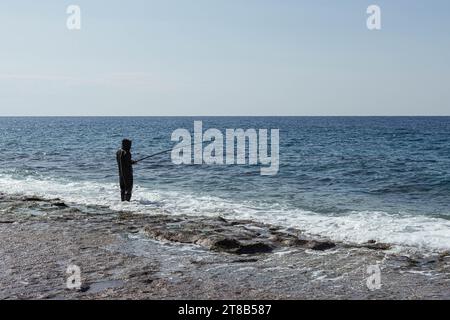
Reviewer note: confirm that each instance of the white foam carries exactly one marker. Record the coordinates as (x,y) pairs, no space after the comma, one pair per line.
(408,232)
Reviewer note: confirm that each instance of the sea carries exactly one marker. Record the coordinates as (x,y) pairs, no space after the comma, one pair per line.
(350,179)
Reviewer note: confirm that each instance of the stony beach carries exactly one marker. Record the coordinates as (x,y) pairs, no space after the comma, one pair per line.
(125,255)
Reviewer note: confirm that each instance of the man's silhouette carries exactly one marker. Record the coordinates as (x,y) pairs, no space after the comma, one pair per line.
(125,170)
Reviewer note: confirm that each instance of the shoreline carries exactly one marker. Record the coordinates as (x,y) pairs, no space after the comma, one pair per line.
(135,256)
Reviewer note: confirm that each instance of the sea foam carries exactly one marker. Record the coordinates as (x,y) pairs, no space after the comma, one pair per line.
(406,232)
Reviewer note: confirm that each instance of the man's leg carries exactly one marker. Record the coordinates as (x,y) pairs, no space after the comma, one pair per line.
(122,190)
(128,194)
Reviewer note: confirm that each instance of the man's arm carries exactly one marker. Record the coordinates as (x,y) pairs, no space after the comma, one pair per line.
(129,160)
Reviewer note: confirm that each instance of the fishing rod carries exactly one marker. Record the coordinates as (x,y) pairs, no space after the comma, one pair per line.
(167,150)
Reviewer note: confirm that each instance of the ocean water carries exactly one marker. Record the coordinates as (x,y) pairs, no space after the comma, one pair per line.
(347,178)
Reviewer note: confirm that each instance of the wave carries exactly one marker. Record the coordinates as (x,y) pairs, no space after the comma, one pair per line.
(406,232)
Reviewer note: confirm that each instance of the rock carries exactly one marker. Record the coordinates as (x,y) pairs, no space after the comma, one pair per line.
(30,199)
(231,245)
(226,245)
(299,242)
(148,281)
(309,244)
(60,204)
(443,256)
(84,288)
(221,219)
(254,248)
(205,242)
(372,244)
(64,218)
(321,246)
(275,238)
(244,260)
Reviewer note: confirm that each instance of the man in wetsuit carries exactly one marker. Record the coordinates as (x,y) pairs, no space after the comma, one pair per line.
(125,170)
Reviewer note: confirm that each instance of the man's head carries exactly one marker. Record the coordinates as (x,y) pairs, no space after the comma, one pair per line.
(126,144)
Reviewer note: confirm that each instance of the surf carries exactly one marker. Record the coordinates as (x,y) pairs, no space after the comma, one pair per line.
(409,233)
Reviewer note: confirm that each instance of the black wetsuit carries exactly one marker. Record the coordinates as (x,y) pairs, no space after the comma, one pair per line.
(125,173)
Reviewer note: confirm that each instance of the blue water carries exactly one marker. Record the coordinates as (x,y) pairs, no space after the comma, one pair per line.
(330,166)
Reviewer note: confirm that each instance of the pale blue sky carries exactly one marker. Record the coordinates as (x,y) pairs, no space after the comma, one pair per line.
(224,57)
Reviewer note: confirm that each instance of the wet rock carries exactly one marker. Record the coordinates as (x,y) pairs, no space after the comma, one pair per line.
(231,239)
(236,237)
(298,242)
(408,262)
(374,245)
(255,248)
(236,247)
(63,218)
(184,236)
(379,246)
(221,219)
(84,288)
(275,238)
(308,244)
(144,276)
(124,216)
(444,255)
(60,205)
(148,281)
(226,245)
(321,246)
(245,260)
(33,199)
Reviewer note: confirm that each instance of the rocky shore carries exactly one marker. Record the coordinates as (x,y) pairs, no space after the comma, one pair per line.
(125,255)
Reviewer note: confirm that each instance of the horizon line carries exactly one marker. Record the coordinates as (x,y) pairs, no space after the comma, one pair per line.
(213,116)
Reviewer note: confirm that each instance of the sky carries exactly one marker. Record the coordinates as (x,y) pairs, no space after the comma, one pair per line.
(224,58)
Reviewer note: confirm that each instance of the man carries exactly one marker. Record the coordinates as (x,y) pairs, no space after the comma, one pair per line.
(125,170)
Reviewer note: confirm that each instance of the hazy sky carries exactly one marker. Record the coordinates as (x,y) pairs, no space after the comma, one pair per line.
(225,57)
